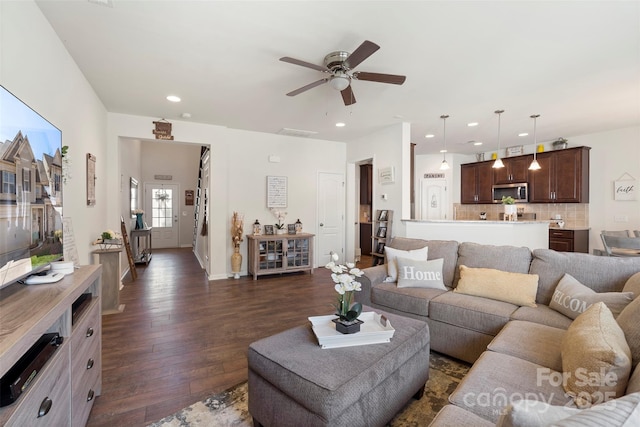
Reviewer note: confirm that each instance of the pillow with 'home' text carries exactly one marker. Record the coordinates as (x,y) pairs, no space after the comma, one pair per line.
(420,274)
(391,254)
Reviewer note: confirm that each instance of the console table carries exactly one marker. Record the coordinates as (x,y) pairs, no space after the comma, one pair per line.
(62,393)
(141,255)
(282,253)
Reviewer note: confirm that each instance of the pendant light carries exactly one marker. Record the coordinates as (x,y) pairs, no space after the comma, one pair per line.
(534,166)
(498,163)
(444,165)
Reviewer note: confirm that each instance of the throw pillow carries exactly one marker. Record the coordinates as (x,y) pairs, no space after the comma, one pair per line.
(596,360)
(633,285)
(533,413)
(516,288)
(629,319)
(420,274)
(622,412)
(572,298)
(391,254)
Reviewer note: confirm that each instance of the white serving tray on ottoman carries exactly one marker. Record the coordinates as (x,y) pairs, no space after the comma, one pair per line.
(372,331)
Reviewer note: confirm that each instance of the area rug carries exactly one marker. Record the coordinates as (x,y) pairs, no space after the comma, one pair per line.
(229,408)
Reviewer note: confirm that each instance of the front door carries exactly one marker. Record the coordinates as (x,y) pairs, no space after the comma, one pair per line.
(330,216)
(161,209)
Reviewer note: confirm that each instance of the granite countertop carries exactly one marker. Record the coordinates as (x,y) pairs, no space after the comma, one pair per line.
(472,221)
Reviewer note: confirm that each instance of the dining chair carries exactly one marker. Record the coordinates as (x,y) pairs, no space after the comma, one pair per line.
(619,233)
(621,246)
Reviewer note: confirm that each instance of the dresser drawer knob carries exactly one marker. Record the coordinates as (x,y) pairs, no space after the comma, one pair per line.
(90,364)
(89,332)
(90,396)
(45,407)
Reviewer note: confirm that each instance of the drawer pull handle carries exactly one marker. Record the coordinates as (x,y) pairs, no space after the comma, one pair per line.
(90,364)
(90,396)
(45,407)
(89,332)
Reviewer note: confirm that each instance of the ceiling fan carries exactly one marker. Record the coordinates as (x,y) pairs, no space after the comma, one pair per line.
(339,65)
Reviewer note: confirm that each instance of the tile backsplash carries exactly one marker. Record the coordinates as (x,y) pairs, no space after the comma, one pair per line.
(575,215)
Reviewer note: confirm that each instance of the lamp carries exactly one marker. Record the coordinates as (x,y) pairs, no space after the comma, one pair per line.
(498,163)
(534,166)
(339,81)
(444,165)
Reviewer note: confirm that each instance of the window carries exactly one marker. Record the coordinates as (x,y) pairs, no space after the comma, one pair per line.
(26,180)
(162,207)
(8,182)
(57,180)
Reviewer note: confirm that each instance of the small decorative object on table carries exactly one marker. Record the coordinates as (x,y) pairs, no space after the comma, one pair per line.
(510,209)
(257,228)
(280,226)
(298,226)
(344,277)
(139,221)
(237,224)
(108,239)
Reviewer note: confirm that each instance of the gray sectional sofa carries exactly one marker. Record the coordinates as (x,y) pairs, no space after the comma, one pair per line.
(516,350)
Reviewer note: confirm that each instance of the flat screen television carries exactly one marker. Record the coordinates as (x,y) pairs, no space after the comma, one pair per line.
(30,190)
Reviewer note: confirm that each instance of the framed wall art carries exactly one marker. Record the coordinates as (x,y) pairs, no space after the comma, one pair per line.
(276,191)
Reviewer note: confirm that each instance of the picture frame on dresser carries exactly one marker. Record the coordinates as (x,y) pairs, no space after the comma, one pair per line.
(268,230)
(383,215)
(382,232)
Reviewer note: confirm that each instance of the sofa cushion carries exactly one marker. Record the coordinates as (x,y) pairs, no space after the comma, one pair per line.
(629,321)
(446,249)
(600,273)
(515,288)
(633,285)
(420,274)
(469,312)
(408,300)
(572,298)
(392,266)
(452,415)
(505,258)
(497,379)
(541,346)
(633,386)
(596,359)
(542,314)
(621,412)
(533,413)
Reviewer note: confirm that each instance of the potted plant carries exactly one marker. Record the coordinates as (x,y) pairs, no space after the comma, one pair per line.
(345,284)
(280,225)
(510,208)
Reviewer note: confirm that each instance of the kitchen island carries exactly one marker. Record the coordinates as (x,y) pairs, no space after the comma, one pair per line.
(531,234)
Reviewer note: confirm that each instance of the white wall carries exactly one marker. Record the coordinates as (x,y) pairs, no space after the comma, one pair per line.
(36,67)
(239,166)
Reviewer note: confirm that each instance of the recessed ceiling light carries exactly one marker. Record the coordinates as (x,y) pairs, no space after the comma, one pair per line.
(173,98)
(443,151)
(185,115)
(472,124)
(429,135)
(477,142)
(340,125)
(523,134)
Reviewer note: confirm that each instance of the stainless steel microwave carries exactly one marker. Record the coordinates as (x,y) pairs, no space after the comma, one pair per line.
(519,191)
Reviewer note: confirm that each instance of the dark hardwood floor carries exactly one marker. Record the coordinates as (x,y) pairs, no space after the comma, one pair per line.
(181,337)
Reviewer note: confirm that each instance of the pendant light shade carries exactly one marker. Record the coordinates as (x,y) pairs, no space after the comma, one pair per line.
(444,165)
(498,163)
(534,166)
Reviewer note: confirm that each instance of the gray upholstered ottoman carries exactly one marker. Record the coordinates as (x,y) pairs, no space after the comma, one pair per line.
(294,382)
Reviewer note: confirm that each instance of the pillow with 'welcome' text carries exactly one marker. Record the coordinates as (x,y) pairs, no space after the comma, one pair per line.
(420,274)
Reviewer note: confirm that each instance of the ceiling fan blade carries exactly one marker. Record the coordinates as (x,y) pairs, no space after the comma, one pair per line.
(380,78)
(347,96)
(365,50)
(303,63)
(307,87)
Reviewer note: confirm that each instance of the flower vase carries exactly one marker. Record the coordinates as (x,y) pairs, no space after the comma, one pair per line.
(281,231)
(139,222)
(347,327)
(236,262)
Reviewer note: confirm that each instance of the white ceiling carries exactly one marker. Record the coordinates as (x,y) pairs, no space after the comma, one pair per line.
(576,63)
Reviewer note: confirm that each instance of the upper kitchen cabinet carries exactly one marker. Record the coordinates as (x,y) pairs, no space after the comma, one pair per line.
(563,177)
(515,170)
(366,184)
(476,180)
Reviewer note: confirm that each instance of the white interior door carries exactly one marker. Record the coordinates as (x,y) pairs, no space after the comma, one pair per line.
(433,199)
(161,210)
(331,204)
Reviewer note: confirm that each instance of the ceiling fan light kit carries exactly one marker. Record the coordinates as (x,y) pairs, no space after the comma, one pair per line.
(339,65)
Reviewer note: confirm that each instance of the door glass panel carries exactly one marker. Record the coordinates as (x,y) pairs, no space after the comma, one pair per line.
(162,207)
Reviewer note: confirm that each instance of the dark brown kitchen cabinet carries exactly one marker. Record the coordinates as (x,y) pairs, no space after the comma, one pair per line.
(515,170)
(476,180)
(569,240)
(366,183)
(563,177)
